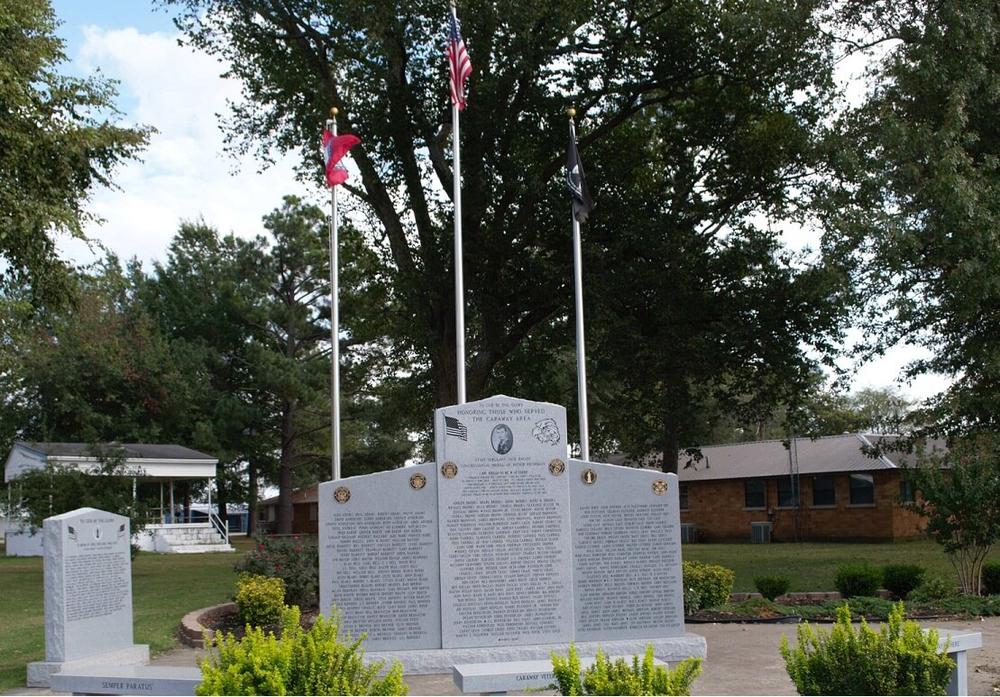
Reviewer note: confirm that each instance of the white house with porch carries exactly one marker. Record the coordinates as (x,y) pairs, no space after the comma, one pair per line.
(163,464)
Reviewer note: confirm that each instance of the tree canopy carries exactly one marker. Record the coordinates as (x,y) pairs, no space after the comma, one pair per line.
(915,212)
(57,143)
(703,115)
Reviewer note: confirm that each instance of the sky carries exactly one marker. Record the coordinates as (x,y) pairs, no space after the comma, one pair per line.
(185,174)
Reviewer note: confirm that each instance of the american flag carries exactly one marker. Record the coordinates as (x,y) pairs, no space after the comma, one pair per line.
(454,427)
(459,65)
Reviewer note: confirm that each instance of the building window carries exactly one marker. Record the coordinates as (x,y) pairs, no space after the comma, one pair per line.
(313,511)
(862,489)
(824,493)
(755,493)
(788,496)
(906,491)
(683,494)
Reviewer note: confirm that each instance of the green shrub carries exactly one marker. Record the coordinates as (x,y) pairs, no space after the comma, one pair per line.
(260,599)
(300,662)
(991,578)
(857,579)
(706,585)
(294,559)
(620,678)
(900,659)
(902,579)
(931,589)
(772,586)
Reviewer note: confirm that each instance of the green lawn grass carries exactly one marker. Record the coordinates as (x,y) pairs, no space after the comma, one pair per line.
(812,565)
(164,588)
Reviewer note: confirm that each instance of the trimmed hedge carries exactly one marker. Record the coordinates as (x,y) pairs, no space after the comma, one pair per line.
(902,579)
(706,585)
(858,579)
(772,586)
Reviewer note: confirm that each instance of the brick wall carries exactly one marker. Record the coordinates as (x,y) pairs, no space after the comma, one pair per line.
(718,509)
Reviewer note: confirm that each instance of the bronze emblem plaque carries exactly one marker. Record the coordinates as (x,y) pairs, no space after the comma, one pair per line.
(449,470)
(557,467)
(659,487)
(418,481)
(342,494)
(588,476)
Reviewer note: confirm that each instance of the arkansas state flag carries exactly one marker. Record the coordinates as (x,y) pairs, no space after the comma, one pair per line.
(334,148)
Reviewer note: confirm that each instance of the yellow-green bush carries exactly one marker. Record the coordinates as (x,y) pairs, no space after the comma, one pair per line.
(299,662)
(607,677)
(900,659)
(706,585)
(260,599)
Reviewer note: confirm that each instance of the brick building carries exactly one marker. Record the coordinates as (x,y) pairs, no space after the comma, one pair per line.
(305,512)
(829,488)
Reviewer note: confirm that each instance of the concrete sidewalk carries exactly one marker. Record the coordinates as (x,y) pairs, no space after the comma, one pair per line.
(743,659)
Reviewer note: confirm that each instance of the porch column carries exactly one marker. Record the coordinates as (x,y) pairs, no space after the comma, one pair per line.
(210,495)
(163,518)
(172,501)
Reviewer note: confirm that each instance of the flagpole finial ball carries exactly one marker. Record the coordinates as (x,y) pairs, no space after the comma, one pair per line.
(571,112)
(334,111)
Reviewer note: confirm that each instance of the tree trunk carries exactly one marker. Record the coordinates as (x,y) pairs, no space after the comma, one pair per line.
(221,492)
(285,464)
(251,498)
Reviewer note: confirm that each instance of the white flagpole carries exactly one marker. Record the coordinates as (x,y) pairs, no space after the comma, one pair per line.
(581,361)
(334,319)
(459,281)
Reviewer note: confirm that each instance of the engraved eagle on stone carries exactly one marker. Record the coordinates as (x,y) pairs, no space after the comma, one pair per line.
(546,431)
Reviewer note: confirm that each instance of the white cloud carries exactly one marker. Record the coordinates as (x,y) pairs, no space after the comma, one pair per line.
(185,173)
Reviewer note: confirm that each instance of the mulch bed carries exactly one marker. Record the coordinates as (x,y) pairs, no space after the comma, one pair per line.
(226,619)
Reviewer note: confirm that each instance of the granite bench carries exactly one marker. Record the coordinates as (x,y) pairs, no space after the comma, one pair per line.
(128,680)
(959,643)
(508,676)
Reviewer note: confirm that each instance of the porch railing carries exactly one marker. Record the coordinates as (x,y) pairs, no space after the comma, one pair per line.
(222,526)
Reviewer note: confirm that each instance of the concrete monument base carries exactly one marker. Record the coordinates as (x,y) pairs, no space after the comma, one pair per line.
(40,672)
(429,661)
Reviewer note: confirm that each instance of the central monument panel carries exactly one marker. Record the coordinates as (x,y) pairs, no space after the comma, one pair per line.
(504,524)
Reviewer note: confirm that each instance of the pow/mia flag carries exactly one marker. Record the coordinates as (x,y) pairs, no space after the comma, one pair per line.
(576,182)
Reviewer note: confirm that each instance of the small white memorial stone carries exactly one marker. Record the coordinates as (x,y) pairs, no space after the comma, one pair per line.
(88,593)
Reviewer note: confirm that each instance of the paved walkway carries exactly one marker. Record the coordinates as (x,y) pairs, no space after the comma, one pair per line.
(742,660)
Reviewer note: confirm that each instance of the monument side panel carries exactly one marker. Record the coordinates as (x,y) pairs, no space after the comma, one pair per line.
(378,552)
(503,505)
(627,578)
(90,587)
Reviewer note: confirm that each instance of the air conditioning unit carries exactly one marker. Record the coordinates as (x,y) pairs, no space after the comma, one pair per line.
(760,533)
(689,533)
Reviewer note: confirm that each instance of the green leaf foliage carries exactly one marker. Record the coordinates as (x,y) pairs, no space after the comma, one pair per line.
(915,214)
(959,497)
(860,579)
(772,586)
(899,659)
(317,661)
(58,142)
(706,585)
(260,599)
(902,579)
(697,122)
(618,677)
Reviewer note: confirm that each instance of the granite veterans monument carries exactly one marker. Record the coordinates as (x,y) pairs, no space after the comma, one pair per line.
(88,594)
(504,549)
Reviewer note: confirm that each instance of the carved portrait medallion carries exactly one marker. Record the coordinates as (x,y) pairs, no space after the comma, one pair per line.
(449,470)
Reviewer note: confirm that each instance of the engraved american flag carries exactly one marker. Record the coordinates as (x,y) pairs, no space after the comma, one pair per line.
(454,427)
